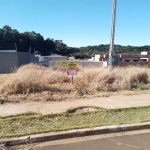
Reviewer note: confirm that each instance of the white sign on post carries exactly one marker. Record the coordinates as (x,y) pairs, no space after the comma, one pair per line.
(72,69)
(72,72)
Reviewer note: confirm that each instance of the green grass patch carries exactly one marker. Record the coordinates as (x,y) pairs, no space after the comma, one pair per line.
(30,123)
(21,115)
(61,63)
(2,100)
(143,86)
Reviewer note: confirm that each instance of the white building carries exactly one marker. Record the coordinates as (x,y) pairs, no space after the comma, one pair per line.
(42,60)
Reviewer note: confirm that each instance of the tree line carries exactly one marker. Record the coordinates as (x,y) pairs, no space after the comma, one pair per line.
(34,42)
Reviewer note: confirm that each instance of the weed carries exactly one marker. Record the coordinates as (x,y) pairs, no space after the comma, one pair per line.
(2,100)
(80,91)
(61,64)
(102,94)
(143,77)
(35,80)
(143,87)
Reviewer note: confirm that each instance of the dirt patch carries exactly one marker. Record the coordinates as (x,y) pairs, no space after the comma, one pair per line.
(85,110)
(82,109)
(45,96)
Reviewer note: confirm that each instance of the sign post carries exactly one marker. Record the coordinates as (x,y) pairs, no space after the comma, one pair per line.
(72,69)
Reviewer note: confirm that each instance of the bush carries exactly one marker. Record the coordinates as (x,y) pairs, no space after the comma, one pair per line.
(61,64)
(32,78)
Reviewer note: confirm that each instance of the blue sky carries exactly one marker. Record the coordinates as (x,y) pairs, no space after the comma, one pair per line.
(80,22)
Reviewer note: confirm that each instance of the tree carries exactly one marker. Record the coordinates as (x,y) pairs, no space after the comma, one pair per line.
(49,47)
(35,41)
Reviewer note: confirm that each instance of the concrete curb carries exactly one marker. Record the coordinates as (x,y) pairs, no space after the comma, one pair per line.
(74,133)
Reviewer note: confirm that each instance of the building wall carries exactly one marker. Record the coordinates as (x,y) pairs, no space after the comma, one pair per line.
(115,60)
(105,64)
(26,58)
(90,64)
(124,64)
(130,59)
(82,63)
(44,63)
(56,58)
(52,63)
(8,62)
(97,57)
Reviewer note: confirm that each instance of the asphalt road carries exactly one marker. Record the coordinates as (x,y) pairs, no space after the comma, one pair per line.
(137,140)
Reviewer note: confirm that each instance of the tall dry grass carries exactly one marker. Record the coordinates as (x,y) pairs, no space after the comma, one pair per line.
(100,79)
(33,78)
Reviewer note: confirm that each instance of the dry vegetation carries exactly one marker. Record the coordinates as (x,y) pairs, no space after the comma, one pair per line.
(33,82)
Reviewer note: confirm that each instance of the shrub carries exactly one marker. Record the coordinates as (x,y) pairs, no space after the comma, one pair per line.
(61,63)
(32,78)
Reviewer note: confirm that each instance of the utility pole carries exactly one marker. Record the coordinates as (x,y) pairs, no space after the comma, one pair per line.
(111,48)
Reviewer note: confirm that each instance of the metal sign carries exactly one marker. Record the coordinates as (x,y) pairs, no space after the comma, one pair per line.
(72,72)
(72,65)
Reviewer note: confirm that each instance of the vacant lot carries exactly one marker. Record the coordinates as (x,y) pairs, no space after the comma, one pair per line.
(35,83)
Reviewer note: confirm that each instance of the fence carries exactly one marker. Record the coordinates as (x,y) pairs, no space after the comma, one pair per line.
(82,63)
(124,64)
(10,61)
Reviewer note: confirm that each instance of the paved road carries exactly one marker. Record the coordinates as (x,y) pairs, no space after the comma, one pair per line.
(137,140)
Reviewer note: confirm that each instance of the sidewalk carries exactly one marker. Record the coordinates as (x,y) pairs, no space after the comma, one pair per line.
(57,107)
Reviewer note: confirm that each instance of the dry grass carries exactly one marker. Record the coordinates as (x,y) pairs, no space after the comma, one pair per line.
(99,79)
(39,83)
(3,77)
(32,78)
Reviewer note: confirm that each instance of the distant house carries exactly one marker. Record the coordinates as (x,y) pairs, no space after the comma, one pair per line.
(105,58)
(134,58)
(55,57)
(125,59)
(10,60)
(92,59)
(42,61)
(71,58)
